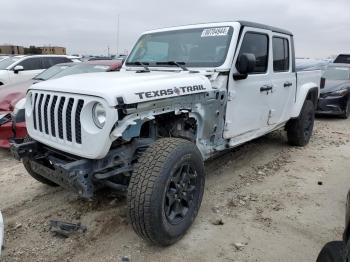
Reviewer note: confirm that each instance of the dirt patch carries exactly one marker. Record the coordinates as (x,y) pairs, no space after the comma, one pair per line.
(262,202)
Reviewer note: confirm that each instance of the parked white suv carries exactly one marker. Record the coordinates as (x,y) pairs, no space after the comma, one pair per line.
(184,95)
(21,68)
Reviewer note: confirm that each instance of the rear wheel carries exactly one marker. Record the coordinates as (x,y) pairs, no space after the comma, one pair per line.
(36,176)
(165,190)
(299,130)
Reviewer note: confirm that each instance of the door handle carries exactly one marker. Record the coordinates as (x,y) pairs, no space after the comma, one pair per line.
(288,84)
(266,88)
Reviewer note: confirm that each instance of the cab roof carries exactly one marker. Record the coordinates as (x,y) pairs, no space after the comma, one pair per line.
(219,23)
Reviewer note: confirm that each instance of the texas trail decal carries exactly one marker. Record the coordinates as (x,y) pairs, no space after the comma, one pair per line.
(170,91)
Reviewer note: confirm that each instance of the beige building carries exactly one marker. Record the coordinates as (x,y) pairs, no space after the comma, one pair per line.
(11,50)
(53,50)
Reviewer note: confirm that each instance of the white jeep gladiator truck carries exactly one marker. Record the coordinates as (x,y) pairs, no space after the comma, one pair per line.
(183,95)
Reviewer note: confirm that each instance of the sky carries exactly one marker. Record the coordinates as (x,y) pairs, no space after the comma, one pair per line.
(320,27)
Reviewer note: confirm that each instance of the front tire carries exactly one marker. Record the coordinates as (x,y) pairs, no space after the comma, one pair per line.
(165,190)
(299,130)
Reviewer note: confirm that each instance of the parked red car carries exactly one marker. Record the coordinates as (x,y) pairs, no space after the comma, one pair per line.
(12,125)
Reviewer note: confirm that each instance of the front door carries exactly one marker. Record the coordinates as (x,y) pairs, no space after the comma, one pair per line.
(247,106)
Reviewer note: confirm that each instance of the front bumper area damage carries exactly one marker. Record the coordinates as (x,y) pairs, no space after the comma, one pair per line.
(331,105)
(80,175)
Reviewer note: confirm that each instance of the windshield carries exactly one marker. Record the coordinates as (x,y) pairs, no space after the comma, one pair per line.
(81,69)
(7,62)
(52,71)
(337,73)
(200,47)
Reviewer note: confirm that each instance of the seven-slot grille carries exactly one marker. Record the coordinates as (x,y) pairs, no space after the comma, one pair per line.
(58,116)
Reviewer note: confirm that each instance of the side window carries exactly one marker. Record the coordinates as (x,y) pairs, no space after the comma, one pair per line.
(257,44)
(51,61)
(280,54)
(33,63)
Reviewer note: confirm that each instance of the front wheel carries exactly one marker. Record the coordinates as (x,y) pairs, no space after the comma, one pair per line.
(299,130)
(165,190)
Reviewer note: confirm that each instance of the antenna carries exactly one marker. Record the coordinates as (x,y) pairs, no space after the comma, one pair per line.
(118,35)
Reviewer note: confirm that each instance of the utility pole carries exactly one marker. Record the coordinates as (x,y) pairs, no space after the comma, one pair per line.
(118,35)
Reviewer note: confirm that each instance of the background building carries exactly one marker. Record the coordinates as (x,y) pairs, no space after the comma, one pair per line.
(53,50)
(11,49)
(20,50)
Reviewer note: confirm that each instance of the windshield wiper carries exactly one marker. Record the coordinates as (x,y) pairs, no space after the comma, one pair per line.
(178,64)
(39,78)
(143,64)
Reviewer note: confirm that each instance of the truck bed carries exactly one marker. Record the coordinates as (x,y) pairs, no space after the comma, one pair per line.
(306,77)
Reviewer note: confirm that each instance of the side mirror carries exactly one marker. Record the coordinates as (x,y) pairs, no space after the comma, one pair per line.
(245,65)
(17,69)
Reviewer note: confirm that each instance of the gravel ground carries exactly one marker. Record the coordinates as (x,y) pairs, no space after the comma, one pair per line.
(262,202)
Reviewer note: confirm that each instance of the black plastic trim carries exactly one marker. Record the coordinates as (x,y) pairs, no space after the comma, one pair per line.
(266,27)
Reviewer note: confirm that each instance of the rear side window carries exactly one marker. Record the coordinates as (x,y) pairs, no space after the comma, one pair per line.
(280,54)
(33,63)
(342,59)
(51,61)
(257,44)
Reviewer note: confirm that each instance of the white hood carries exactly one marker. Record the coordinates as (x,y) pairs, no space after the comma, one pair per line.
(131,86)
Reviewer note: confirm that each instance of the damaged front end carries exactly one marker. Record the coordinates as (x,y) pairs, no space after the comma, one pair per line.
(81,175)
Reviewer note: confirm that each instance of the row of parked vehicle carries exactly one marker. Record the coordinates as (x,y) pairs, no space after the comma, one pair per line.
(183,95)
(12,118)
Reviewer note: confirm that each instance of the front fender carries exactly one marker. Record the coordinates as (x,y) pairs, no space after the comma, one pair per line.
(306,91)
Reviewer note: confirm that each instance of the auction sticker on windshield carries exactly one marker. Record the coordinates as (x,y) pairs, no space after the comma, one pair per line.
(217,31)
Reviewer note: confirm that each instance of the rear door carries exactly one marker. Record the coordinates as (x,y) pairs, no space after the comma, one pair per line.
(49,61)
(247,106)
(31,65)
(283,80)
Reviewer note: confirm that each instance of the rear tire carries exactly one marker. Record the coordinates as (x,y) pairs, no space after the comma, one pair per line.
(36,176)
(332,252)
(299,130)
(165,190)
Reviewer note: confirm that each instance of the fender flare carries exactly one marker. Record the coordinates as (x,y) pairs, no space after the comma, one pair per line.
(306,92)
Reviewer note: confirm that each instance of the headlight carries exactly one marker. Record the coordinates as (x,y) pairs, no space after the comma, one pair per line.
(341,92)
(99,115)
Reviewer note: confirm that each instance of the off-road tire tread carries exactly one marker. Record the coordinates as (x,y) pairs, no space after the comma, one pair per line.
(142,183)
(295,129)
